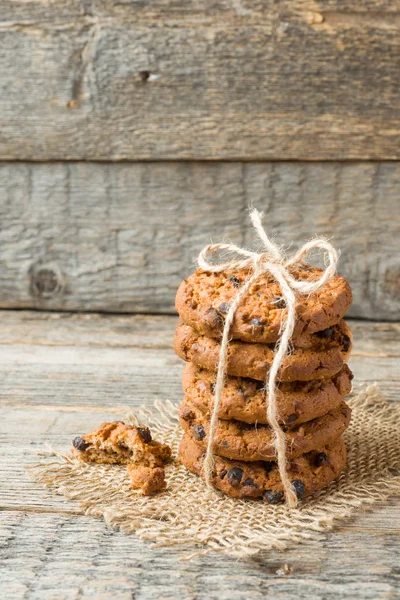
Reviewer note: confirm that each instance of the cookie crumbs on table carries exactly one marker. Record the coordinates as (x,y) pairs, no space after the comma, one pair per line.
(119,443)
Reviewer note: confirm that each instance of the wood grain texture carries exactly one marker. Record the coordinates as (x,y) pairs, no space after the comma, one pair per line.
(61,374)
(60,556)
(303,79)
(121,237)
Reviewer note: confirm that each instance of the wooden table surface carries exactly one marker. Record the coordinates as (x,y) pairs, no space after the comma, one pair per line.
(61,374)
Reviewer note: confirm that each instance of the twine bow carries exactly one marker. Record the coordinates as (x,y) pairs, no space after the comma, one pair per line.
(271,260)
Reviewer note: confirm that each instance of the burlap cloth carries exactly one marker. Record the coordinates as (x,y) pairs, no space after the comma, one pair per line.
(188,513)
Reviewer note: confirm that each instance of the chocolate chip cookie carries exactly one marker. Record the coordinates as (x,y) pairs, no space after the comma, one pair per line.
(240,441)
(321,355)
(244,399)
(308,473)
(203,300)
(118,443)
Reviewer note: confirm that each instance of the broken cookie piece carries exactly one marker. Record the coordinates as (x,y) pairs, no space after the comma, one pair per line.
(118,443)
(147,479)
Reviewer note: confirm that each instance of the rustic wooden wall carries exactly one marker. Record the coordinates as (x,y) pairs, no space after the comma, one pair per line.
(291,106)
(221,79)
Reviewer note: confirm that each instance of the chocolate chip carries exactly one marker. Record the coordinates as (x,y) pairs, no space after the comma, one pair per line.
(223,473)
(242,392)
(235,476)
(199,433)
(225,444)
(346,342)
(213,318)
(299,488)
(80,444)
(325,333)
(187,414)
(213,386)
(234,281)
(256,322)
(291,418)
(278,302)
(145,434)
(224,307)
(321,459)
(244,426)
(273,497)
(250,483)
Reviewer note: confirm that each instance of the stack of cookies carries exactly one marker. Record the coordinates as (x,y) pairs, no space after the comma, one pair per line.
(312,382)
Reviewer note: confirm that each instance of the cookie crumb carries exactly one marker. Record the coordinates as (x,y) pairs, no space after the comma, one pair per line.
(146,479)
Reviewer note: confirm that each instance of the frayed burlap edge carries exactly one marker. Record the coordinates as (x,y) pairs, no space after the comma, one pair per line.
(189,513)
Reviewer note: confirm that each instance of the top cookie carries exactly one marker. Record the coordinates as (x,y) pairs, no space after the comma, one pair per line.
(203,299)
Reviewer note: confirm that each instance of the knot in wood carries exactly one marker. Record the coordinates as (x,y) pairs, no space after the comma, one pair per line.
(46,280)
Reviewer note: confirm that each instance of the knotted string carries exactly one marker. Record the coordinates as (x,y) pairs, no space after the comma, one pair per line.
(273,261)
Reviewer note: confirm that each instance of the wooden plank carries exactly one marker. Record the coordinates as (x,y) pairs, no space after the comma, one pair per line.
(192,80)
(94,330)
(121,237)
(47,556)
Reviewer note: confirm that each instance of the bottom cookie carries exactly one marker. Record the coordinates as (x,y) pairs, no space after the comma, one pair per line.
(308,473)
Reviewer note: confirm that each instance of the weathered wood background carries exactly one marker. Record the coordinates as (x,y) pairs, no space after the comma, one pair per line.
(120,237)
(225,79)
(232,103)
